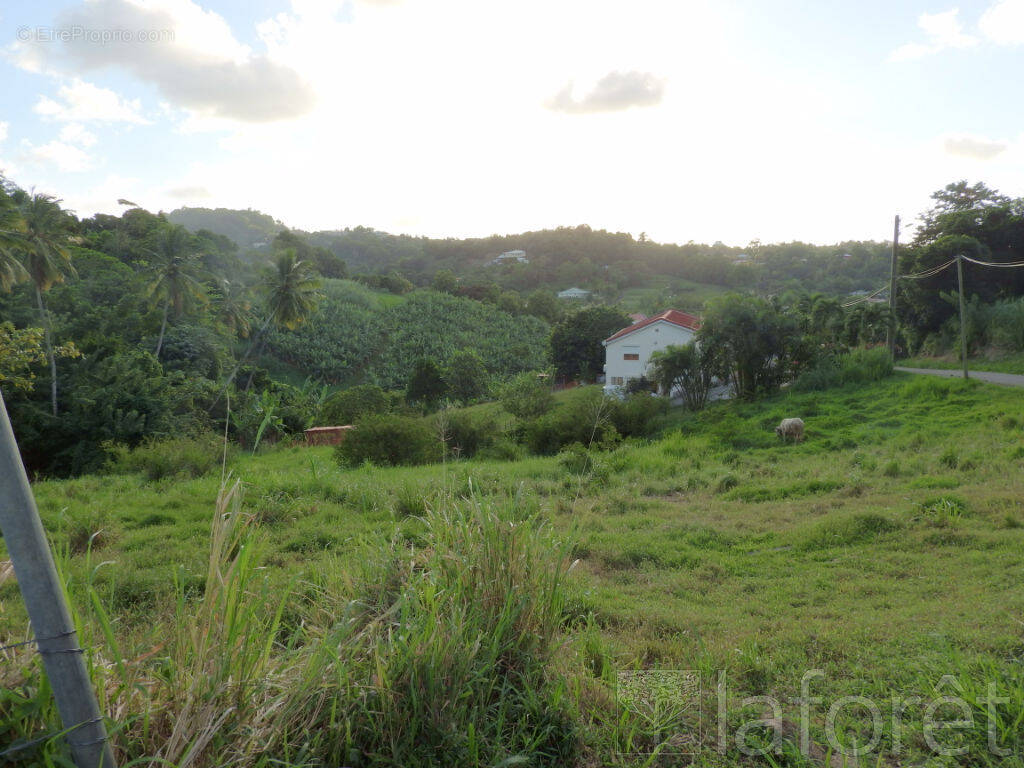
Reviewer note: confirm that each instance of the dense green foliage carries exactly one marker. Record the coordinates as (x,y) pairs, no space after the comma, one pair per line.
(389,440)
(576,349)
(358,337)
(971,220)
(348,405)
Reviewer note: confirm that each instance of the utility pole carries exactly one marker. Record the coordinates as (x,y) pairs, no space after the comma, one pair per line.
(44,599)
(891,333)
(963,326)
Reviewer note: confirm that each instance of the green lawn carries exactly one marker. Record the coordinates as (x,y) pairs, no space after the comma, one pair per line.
(886,550)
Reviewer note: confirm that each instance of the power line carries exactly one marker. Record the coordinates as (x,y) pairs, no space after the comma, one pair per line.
(929,272)
(993,263)
(865,298)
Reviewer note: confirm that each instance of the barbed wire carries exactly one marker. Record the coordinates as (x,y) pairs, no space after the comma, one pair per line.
(53,734)
(43,640)
(35,741)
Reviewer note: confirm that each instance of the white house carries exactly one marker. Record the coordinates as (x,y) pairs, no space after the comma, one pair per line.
(509,256)
(628,352)
(573,293)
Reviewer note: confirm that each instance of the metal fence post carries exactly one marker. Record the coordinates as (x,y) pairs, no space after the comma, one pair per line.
(51,620)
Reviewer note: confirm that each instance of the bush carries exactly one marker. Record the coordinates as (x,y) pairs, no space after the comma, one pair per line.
(182,456)
(586,419)
(861,366)
(639,415)
(465,434)
(388,440)
(527,396)
(349,405)
(503,449)
(466,377)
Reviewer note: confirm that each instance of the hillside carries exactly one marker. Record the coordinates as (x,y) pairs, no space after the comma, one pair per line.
(609,262)
(885,551)
(248,228)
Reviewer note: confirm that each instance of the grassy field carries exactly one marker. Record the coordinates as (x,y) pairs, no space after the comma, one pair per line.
(885,551)
(1001,364)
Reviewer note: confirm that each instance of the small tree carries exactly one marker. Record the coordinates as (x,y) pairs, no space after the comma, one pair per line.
(349,405)
(466,377)
(527,396)
(755,344)
(685,369)
(426,385)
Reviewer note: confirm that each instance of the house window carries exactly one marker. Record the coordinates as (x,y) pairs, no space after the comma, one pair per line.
(617,380)
(631,356)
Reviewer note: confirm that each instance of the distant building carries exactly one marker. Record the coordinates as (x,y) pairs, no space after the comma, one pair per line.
(743,258)
(510,256)
(636,317)
(327,435)
(628,352)
(573,293)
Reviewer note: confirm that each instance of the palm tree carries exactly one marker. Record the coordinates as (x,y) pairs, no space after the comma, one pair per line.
(291,290)
(11,230)
(174,281)
(233,308)
(45,258)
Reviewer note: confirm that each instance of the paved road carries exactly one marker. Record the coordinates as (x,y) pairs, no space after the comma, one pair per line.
(1009,379)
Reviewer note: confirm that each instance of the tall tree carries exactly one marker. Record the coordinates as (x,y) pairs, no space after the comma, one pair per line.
(43,245)
(174,277)
(291,288)
(12,228)
(576,348)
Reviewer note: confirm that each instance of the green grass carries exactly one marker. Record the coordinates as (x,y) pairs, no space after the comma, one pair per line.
(886,550)
(1002,364)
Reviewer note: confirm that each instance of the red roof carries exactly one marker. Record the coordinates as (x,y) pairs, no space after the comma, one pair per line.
(674,316)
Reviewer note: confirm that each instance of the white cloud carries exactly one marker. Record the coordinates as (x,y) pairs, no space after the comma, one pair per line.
(188,53)
(974,147)
(942,30)
(1003,22)
(189,192)
(614,92)
(3,131)
(61,156)
(75,133)
(84,102)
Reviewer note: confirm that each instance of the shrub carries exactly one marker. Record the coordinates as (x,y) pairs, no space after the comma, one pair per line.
(465,433)
(639,415)
(585,419)
(860,366)
(388,440)
(502,449)
(527,396)
(181,456)
(466,377)
(349,405)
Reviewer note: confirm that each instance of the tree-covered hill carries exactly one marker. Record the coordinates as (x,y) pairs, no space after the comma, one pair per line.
(607,262)
(248,228)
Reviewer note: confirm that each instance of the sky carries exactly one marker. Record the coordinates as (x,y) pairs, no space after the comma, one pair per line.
(724,120)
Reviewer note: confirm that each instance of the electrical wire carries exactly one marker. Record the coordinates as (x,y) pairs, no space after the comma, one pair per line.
(994,264)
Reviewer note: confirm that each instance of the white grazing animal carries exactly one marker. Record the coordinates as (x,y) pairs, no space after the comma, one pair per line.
(791,429)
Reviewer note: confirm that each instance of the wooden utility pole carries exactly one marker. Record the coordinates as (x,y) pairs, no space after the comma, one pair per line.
(963,325)
(890,336)
(54,631)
